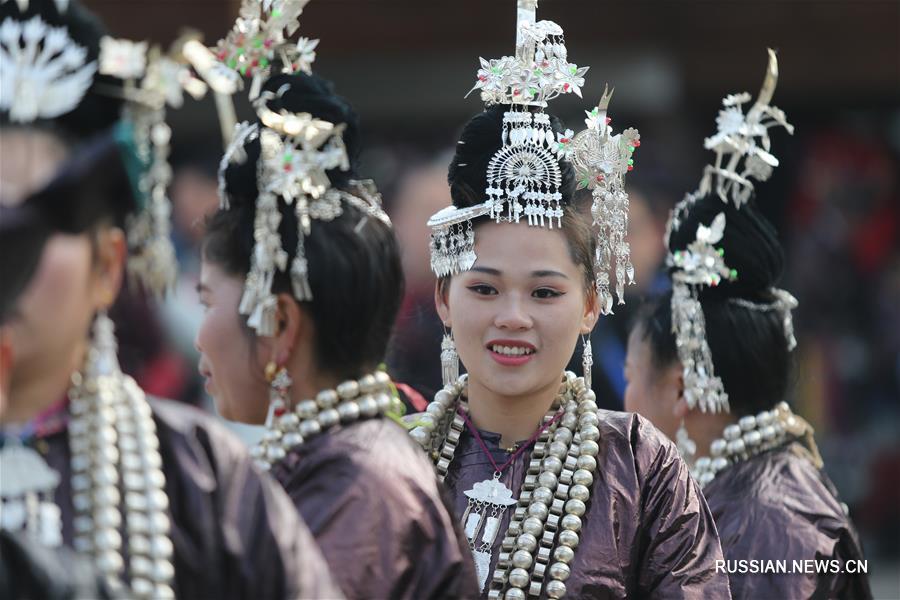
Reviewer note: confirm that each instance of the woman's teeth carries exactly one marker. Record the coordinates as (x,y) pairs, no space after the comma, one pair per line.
(512,350)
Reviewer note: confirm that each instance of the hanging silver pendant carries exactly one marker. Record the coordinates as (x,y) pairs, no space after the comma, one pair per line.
(488,501)
(27,484)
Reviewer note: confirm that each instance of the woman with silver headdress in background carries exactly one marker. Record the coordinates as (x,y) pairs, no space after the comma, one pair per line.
(301,281)
(158,497)
(710,363)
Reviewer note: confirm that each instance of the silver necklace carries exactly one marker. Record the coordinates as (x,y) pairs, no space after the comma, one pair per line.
(348,402)
(750,436)
(115,463)
(543,533)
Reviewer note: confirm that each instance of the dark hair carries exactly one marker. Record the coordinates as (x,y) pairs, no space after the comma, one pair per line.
(467,176)
(354,261)
(749,347)
(100,107)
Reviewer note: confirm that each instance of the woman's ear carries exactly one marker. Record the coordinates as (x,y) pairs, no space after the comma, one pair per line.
(109,263)
(441,300)
(291,324)
(680,408)
(591,312)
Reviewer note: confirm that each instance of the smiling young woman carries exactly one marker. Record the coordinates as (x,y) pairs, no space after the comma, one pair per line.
(557,497)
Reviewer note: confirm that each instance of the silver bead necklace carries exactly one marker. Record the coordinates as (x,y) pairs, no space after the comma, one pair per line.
(749,437)
(543,533)
(115,452)
(348,402)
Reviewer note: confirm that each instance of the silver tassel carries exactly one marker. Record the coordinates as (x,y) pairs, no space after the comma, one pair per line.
(587,361)
(685,444)
(449,360)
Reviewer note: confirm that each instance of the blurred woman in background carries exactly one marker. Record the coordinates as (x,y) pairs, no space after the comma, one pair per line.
(161,500)
(301,281)
(709,363)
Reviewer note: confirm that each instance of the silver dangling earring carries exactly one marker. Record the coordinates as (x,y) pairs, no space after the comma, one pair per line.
(279,392)
(686,446)
(587,360)
(449,359)
(103,358)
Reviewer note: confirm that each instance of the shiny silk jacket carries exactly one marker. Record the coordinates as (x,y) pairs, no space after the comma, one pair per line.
(647,532)
(372,500)
(779,506)
(234,532)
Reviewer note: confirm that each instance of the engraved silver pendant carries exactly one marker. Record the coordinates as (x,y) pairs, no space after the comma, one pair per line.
(488,501)
(27,485)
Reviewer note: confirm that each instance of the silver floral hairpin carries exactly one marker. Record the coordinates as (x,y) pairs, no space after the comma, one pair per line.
(601,161)
(43,72)
(742,147)
(259,37)
(702,264)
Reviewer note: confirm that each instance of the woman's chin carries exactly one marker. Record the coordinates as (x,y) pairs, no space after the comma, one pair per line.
(521,381)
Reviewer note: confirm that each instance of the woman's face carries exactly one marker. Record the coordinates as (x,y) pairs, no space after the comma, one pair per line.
(517,313)
(651,392)
(75,276)
(230,359)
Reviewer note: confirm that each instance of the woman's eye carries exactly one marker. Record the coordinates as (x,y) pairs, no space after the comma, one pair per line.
(483,290)
(544,293)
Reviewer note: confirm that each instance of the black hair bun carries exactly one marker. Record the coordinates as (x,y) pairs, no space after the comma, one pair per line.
(98,111)
(480,140)
(750,245)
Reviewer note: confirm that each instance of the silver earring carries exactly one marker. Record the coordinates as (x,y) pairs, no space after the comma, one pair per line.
(279,392)
(449,359)
(102,352)
(686,446)
(587,360)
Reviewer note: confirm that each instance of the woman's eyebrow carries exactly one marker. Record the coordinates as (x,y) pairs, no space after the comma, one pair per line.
(548,273)
(202,287)
(486,270)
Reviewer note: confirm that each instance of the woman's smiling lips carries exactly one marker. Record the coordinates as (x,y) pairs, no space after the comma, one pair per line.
(511,353)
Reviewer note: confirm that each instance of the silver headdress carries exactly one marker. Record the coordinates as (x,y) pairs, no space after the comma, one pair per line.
(741,145)
(153,81)
(601,161)
(296,152)
(524,176)
(260,34)
(702,264)
(258,38)
(44,74)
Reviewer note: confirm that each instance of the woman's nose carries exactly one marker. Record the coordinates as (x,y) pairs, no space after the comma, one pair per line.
(512,315)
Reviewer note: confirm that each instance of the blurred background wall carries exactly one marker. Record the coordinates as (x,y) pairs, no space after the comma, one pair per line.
(406,65)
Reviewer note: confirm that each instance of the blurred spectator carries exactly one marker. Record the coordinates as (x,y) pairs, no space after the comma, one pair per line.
(843,220)
(414,356)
